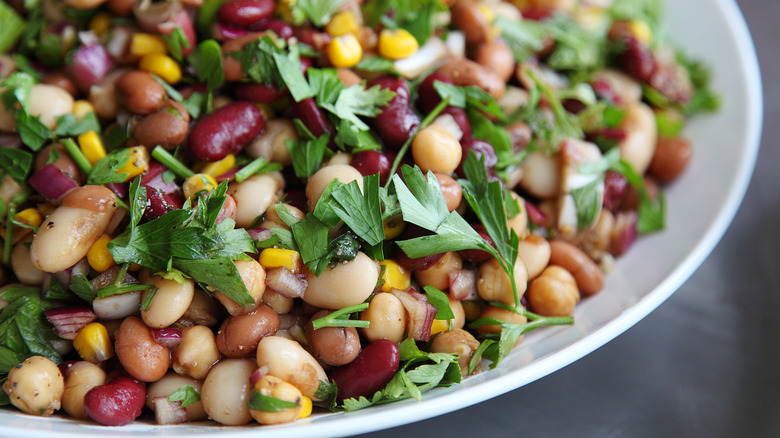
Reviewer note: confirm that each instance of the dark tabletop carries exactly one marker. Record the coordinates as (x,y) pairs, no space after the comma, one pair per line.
(706,363)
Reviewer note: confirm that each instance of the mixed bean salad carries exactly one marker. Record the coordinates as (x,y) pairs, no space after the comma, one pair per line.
(244,210)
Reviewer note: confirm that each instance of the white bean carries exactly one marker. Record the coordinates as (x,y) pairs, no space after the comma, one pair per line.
(226,391)
(23,266)
(170,383)
(318,182)
(49,102)
(253,275)
(169,302)
(253,196)
(541,175)
(287,360)
(641,135)
(345,285)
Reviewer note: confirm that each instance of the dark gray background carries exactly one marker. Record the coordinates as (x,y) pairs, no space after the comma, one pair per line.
(706,362)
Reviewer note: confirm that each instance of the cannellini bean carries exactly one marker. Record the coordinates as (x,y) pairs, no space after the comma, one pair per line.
(641,135)
(345,285)
(66,235)
(169,302)
(49,102)
(35,386)
(319,181)
(271,144)
(23,267)
(254,195)
(81,377)
(170,383)
(287,360)
(624,86)
(226,389)
(117,306)
(197,352)
(541,175)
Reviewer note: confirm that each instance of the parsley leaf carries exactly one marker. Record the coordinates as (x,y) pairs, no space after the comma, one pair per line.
(186,394)
(13,25)
(575,48)
(24,331)
(260,402)
(206,60)
(440,301)
(16,163)
(307,155)
(105,170)
(69,126)
(319,12)
(357,101)
(524,37)
(416,16)
(361,212)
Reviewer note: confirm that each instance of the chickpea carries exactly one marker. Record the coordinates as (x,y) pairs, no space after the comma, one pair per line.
(453,194)
(554,292)
(169,303)
(319,181)
(277,388)
(287,360)
(438,275)
(435,149)
(345,285)
(81,377)
(253,275)
(334,346)
(226,390)
(459,312)
(387,318)
(254,195)
(534,251)
(170,383)
(519,222)
(272,143)
(239,334)
(457,341)
(197,352)
(35,386)
(493,284)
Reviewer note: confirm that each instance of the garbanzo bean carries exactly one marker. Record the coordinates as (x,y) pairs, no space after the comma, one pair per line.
(277,388)
(387,318)
(81,377)
(435,149)
(35,386)
(534,251)
(438,275)
(493,284)
(554,292)
(457,341)
(197,352)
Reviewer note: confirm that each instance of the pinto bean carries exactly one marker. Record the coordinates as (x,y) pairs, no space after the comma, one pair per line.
(138,92)
(590,279)
(167,127)
(333,345)
(670,159)
(239,334)
(463,72)
(497,56)
(66,235)
(225,131)
(136,350)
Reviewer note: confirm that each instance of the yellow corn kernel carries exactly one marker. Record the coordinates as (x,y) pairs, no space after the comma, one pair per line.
(93,344)
(30,216)
(81,108)
(641,31)
(439,325)
(306,407)
(395,276)
(393,227)
(217,168)
(91,146)
(138,164)
(344,51)
(341,24)
(162,65)
(279,257)
(146,43)
(198,183)
(99,25)
(489,14)
(98,255)
(397,44)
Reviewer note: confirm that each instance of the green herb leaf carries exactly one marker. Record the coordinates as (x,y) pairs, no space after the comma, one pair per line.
(524,37)
(357,101)
(186,394)
(16,163)
(440,300)
(319,12)
(105,170)
(266,403)
(307,155)
(219,273)
(341,318)
(147,299)
(290,72)
(206,60)
(82,288)
(34,134)
(258,165)
(176,42)
(12,28)
(69,126)
(376,64)
(25,332)
(361,212)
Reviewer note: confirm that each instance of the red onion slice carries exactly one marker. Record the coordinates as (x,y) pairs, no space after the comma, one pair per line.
(90,64)
(168,412)
(421,315)
(463,284)
(68,321)
(51,182)
(167,337)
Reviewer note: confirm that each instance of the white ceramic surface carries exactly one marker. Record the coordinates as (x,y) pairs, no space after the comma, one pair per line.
(700,207)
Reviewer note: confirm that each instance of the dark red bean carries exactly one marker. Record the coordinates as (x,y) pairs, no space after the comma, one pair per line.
(637,59)
(258,92)
(419,263)
(624,232)
(246,12)
(279,27)
(225,131)
(481,149)
(159,203)
(312,116)
(477,255)
(428,96)
(615,186)
(459,114)
(117,402)
(312,37)
(371,162)
(369,372)
(396,123)
(153,178)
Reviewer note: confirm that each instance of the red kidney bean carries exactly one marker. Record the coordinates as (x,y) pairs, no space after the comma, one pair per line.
(371,162)
(615,187)
(225,131)
(623,233)
(312,37)
(117,402)
(459,114)
(369,372)
(396,123)
(312,116)
(428,96)
(153,178)
(481,148)
(477,255)
(637,59)
(158,203)
(419,263)
(279,27)
(258,92)
(243,13)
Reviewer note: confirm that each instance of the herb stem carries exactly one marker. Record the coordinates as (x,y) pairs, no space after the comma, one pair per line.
(77,155)
(172,163)
(256,166)
(9,233)
(408,143)
(336,319)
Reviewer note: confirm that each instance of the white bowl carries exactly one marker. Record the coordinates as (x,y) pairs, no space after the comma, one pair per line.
(700,206)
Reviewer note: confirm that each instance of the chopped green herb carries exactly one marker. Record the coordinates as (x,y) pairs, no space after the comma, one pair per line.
(105,170)
(341,318)
(266,403)
(16,163)
(186,394)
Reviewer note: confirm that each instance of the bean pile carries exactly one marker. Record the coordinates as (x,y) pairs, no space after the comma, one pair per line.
(243,210)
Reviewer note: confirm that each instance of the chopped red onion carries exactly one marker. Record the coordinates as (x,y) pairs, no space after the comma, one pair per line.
(537,216)
(463,284)
(257,375)
(168,412)
(51,182)
(68,321)
(421,314)
(260,234)
(623,233)
(90,64)
(167,337)
(285,282)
